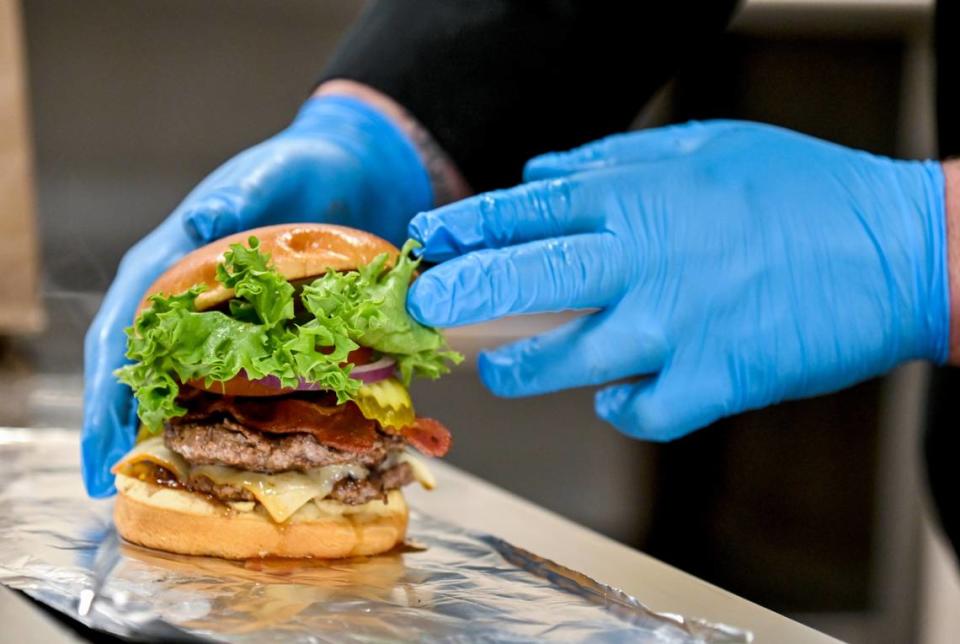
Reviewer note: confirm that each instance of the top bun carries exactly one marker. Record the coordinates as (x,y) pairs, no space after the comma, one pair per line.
(298,251)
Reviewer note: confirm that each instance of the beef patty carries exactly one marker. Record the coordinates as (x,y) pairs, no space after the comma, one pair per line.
(347,491)
(226,442)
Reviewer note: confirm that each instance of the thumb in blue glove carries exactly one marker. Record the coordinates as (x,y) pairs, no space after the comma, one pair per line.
(735,265)
(340,161)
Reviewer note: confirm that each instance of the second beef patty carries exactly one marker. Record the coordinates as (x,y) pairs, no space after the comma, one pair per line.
(225,442)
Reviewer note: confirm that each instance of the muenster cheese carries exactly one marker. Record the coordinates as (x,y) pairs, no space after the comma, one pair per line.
(281,495)
(285,493)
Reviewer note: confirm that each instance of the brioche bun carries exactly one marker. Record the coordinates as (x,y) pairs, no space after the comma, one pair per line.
(187,523)
(298,251)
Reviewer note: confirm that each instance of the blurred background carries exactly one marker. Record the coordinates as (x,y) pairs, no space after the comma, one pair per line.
(816,508)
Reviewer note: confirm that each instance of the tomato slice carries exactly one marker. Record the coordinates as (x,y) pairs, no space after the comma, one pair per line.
(361,356)
(240,385)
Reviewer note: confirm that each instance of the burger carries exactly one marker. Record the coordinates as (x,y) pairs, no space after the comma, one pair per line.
(271,370)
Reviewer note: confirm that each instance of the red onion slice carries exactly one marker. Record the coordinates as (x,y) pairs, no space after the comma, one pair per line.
(379,370)
(373,372)
(272,382)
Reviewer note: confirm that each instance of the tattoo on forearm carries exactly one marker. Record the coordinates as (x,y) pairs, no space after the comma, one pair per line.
(437,164)
(445,178)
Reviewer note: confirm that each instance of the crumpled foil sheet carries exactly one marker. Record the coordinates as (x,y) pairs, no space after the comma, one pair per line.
(447,584)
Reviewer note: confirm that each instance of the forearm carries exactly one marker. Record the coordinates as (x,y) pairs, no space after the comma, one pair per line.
(496,81)
(446,180)
(951,176)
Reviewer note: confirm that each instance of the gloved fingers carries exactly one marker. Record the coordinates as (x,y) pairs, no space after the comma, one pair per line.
(258,186)
(107,405)
(214,215)
(664,408)
(654,144)
(109,420)
(239,195)
(591,350)
(579,271)
(109,428)
(505,217)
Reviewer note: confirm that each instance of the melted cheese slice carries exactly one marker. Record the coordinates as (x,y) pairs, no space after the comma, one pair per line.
(152,450)
(195,504)
(421,474)
(281,494)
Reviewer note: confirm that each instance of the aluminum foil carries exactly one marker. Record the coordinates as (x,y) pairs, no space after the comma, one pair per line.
(446,584)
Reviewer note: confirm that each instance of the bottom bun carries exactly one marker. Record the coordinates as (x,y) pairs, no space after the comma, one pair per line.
(187,523)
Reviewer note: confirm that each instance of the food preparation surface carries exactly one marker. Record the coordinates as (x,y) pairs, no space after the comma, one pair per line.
(472,503)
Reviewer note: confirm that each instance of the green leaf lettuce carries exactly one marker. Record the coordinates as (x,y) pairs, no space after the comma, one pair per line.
(263,335)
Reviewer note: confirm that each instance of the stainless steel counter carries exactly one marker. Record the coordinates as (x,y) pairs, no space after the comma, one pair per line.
(473,503)
(25,623)
(464,499)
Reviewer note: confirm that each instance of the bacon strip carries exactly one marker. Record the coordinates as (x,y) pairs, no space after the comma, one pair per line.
(428,436)
(341,427)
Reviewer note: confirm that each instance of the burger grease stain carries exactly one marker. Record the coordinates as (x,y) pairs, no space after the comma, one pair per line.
(160,477)
(292,566)
(408,546)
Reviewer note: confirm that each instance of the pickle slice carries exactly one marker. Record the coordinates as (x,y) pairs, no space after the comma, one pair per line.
(387,402)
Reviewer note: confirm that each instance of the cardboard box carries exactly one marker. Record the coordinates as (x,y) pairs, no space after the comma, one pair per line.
(20,307)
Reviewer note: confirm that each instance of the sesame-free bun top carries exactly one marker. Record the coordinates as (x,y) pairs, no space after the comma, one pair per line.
(298,251)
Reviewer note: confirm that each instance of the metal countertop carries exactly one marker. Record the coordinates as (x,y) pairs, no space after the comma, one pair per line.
(474,503)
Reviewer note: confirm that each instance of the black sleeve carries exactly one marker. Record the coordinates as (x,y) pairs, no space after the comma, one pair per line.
(942,442)
(498,81)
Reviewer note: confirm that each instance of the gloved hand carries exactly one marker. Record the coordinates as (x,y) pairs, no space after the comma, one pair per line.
(340,161)
(736,265)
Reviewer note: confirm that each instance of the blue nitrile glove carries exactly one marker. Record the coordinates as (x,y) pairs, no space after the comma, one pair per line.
(736,264)
(340,161)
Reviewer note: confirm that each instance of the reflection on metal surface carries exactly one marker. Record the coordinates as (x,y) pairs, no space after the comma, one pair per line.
(61,548)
